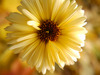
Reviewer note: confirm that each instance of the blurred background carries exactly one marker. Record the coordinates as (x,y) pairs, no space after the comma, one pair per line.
(89,64)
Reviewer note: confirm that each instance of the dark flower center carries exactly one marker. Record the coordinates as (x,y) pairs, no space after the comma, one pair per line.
(49,31)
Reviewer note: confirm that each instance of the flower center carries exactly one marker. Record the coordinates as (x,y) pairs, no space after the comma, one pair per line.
(49,31)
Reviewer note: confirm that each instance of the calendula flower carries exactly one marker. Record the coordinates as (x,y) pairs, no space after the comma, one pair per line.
(47,32)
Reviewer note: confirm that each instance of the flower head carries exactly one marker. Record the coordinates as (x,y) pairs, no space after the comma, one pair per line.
(47,32)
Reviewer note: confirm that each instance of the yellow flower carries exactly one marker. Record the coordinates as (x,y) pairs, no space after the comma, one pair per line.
(47,32)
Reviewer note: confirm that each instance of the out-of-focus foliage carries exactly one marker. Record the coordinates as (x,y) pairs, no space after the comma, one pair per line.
(18,68)
(10,5)
(90,59)
(6,56)
(89,64)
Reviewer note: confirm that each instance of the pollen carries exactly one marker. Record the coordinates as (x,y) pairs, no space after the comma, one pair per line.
(49,31)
